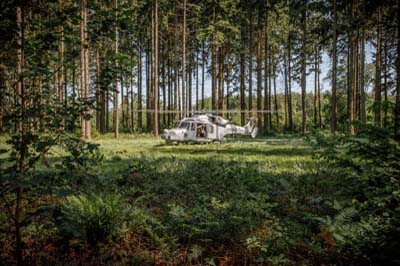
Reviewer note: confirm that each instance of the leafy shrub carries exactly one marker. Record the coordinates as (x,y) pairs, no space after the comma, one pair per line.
(99,218)
(367,216)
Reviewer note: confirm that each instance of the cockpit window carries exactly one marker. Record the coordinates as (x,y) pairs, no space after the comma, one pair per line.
(184,125)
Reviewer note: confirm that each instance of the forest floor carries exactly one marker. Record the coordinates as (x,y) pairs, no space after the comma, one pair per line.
(274,154)
(244,202)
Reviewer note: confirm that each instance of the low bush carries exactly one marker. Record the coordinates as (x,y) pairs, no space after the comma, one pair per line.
(367,211)
(97,218)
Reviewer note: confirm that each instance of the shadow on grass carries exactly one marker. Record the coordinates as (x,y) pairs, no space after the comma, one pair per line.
(236,151)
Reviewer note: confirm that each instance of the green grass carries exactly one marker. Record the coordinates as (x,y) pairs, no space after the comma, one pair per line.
(263,201)
(274,154)
(211,196)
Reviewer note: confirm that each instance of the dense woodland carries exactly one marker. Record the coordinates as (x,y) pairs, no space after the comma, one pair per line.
(156,60)
(75,71)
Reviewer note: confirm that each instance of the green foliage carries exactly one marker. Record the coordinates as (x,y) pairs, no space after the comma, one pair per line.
(367,218)
(97,218)
(251,202)
(211,210)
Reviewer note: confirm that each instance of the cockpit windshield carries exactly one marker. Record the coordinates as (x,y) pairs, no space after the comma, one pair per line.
(184,125)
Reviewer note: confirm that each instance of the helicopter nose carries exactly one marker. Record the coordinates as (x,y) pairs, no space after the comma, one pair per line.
(165,133)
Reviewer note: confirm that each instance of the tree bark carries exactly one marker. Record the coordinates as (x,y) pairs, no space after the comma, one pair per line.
(303,68)
(184,111)
(266,75)
(259,73)
(164,90)
(315,85)
(132,93)
(251,67)
(197,81)
(275,94)
(149,75)
(139,82)
(286,88)
(203,76)
(221,81)
(242,82)
(397,105)
(319,93)
(289,59)
(116,105)
(18,217)
(170,103)
(385,81)
(98,91)
(213,77)
(377,100)
(155,70)
(362,82)
(86,130)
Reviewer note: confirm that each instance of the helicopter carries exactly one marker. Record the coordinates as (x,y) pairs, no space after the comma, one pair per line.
(207,128)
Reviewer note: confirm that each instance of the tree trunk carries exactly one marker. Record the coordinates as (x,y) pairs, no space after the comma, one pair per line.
(349,80)
(164,90)
(189,82)
(228,81)
(98,91)
(377,100)
(169,85)
(2,97)
(269,91)
(122,99)
(108,110)
(18,217)
(266,76)
(61,51)
(116,105)
(397,106)
(355,83)
(184,111)
(203,76)
(315,85)
(385,81)
(334,66)
(362,82)
(242,81)
(221,81)
(132,94)
(303,68)
(85,70)
(139,82)
(176,85)
(319,92)
(289,59)
(259,76)
(197,81)
(275,94)
(103,104)
(155,70)
(149,75)
(213,77)
(286,88)
(251,67)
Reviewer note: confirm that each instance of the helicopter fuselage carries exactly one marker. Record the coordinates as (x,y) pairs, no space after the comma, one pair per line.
(203,129)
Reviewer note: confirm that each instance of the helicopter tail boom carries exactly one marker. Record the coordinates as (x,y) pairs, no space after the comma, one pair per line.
(248,129)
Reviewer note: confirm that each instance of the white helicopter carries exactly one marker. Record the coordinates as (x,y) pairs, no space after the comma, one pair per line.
(207,128)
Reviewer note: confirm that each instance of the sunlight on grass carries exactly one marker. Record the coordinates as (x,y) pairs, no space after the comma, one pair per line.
(273,155)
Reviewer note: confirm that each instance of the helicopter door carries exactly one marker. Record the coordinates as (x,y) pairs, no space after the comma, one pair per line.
(201,131)
(191,133)
(210,132)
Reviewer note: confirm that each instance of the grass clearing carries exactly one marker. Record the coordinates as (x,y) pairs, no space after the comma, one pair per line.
(264,201)
(273,154)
